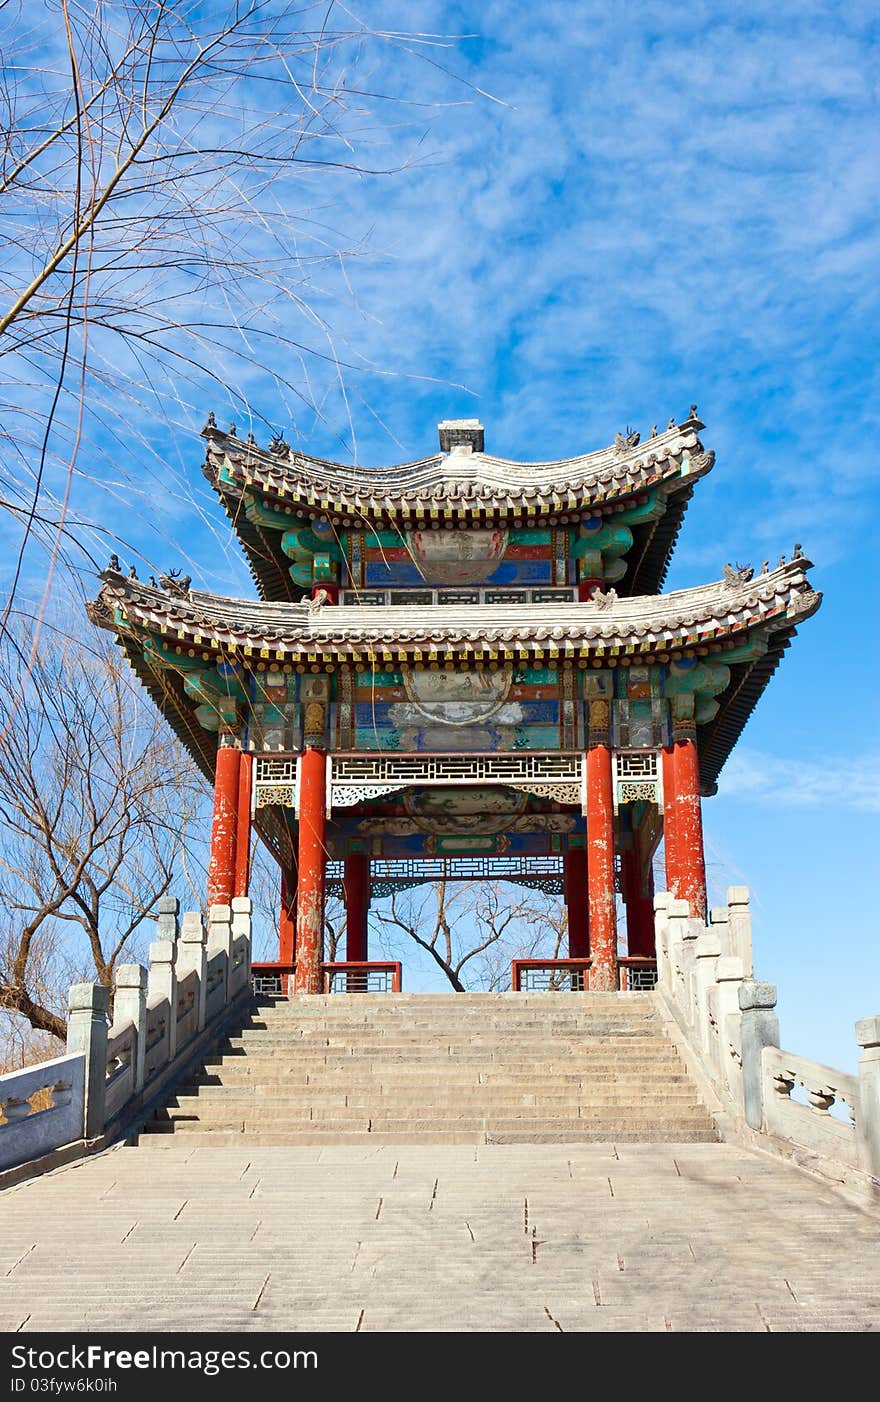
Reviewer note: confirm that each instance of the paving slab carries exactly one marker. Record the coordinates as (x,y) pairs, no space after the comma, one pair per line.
(418,1238)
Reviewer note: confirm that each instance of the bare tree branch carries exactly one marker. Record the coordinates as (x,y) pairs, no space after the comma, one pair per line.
(96,799)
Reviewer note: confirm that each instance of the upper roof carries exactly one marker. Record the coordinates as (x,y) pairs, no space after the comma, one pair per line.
(462,482)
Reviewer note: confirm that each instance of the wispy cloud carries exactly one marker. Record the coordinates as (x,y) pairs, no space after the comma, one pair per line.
(836,783)
(672,204)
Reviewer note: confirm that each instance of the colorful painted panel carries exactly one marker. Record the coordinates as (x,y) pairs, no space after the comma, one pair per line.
(431,709)
(450,845)
(275,716)
(524,555)
(420,710)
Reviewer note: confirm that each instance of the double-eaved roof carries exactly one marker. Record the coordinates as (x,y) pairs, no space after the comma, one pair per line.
(281,500)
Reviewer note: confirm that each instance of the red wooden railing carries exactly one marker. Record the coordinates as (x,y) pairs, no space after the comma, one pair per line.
(635,974)
(364,976)
(273,980)
(576,969)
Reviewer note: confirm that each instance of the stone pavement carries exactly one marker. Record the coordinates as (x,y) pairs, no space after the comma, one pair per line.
(523,1237)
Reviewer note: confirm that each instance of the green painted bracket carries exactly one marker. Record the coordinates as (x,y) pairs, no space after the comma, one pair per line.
(163,657)
(692,689)
(316,554)
(599,549)
(650,510)
(209,686)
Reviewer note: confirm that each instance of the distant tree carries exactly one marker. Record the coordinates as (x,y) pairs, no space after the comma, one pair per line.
(97,798)
(472,930)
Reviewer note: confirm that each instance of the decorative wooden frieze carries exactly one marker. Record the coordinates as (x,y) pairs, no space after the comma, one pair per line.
(637,777)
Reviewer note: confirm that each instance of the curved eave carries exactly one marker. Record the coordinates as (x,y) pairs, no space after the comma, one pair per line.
(283,633)
(716,740)
(268,565)
(653,545)
(321,484)
(169,698)
(174,705)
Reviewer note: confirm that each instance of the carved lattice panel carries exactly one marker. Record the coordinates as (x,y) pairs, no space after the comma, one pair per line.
(457,769)
(347,795)
(275,771)
(560,793)
(637,777)
(387,873)
(265,795)
(276,781)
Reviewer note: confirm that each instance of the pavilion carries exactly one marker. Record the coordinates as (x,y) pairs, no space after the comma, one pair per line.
(460,666)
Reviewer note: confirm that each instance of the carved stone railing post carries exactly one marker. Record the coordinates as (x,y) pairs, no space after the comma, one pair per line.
(708,951)
(868,1038)
(219,958)
(682,942)
(676,917)
(740,926)
(191,958)
(719,921)
(759,1028)
(130,1005)
(88,1005)
(728,981)
(661,939)
(166,924)
(240,968)
(162,991)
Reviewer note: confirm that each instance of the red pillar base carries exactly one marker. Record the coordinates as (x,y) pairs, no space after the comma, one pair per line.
(574,875)
(309,976)
(604,975)
(670,834)
(287,922)
(221,864)
(689,827)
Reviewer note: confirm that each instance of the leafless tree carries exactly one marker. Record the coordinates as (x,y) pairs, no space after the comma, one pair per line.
(96,802)
(472,930)
(169,176)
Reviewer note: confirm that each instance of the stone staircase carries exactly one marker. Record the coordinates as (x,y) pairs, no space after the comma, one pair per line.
(440,1069)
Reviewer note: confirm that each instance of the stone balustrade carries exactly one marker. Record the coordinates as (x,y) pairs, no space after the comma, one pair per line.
(29,1131)
(726,1020)
(165,1015)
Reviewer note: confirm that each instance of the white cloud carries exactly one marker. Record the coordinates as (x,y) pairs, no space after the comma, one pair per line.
(834,783)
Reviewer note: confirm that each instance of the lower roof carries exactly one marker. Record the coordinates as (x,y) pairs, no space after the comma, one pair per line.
(605,632)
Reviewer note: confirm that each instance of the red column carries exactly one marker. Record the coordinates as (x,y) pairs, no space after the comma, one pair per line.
(600,870)
(221,864)
(689,827)
(243,828)
(670,835)
(287,922)
(574,876)
(639,906)
(312,872)
(356,885)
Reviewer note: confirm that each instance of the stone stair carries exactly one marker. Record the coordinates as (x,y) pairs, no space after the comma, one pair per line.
(440,1069)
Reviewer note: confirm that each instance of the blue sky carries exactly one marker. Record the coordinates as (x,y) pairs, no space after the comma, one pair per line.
(654,205)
